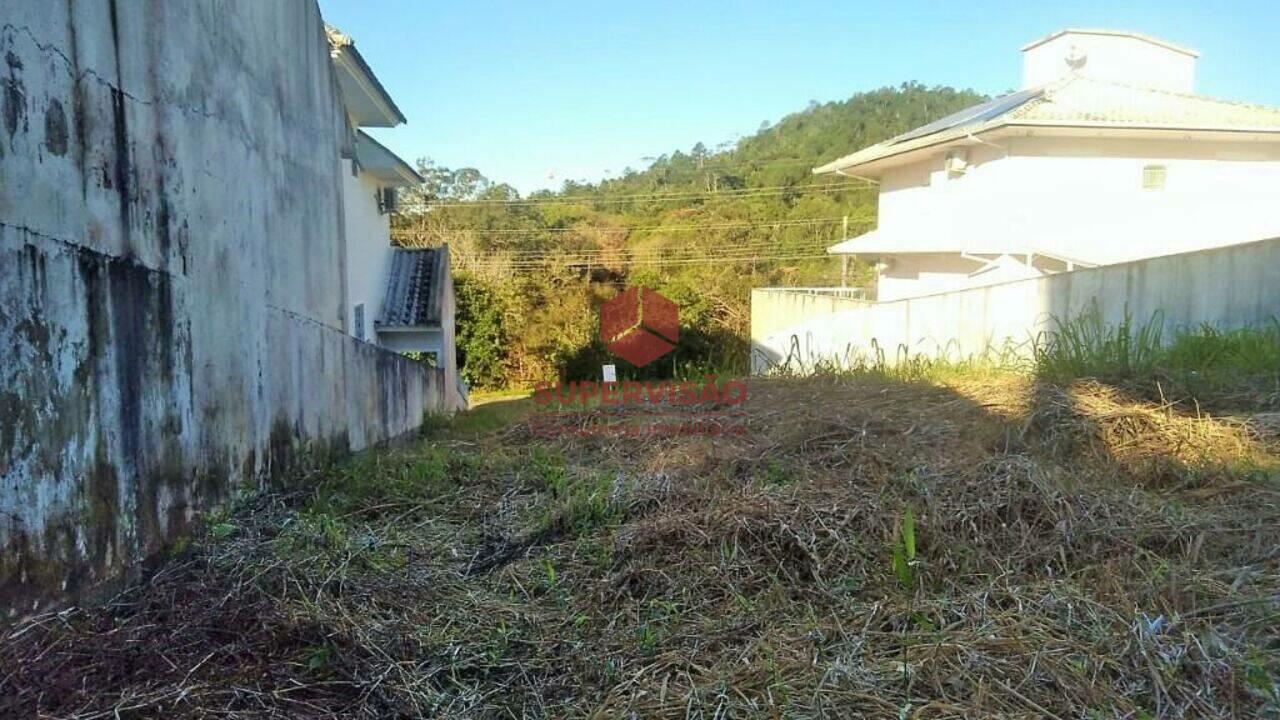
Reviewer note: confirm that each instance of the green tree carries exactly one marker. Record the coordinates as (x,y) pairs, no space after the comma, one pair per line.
(527,305)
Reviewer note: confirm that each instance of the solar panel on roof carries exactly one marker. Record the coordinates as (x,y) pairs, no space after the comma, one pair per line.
(973,115)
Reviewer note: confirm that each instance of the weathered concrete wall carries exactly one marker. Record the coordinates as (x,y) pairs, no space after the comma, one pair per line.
(1228,287)
(172,293)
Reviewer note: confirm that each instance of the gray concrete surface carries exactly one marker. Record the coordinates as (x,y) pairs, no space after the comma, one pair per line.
(171,278)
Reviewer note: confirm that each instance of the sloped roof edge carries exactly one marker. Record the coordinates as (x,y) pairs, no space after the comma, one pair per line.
(1069,103)
(1112,33)
(343,49)
(372,156)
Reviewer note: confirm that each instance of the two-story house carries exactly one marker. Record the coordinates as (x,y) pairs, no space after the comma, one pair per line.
(1105,155)
(399,298)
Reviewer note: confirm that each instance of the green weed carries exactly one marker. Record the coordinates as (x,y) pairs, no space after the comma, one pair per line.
(1087,346)
(904,553)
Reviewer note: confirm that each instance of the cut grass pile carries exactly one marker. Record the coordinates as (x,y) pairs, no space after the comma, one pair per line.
(869,548)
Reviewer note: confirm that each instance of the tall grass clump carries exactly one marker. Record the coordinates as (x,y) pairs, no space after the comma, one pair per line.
(946,362)
(1244,351)
(1202,361)
(1087,346)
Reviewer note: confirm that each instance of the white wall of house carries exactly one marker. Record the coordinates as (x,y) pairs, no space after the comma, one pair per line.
(368,250)
(1081,198)
(1111,57)
(907,276)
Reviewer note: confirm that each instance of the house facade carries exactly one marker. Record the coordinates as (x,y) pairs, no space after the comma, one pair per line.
(398,298)
(1104,156)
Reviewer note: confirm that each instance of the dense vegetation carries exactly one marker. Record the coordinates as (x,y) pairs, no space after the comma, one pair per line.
(702,227)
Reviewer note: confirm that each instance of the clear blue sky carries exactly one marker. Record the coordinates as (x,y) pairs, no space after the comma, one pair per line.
(523,89)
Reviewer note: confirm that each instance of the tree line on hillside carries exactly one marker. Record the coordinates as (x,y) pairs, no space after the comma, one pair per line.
(701,227)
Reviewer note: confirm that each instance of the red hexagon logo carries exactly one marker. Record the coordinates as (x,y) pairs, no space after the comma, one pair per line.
(639,325)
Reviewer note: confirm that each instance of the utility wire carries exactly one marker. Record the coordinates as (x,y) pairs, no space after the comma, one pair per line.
(852,184)
(648,250)
(407,232)
(568,254)
(657,263)
(733,254)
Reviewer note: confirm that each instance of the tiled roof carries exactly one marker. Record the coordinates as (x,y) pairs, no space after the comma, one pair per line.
(1085,101)
(415,288)
(1077,102)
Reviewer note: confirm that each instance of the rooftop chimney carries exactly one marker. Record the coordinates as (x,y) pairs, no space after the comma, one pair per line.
(1111,55)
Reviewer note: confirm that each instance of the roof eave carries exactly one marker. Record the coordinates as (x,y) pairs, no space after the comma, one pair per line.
(400,173)
(869,165)
(351,61)
(1146,127)
(875,164)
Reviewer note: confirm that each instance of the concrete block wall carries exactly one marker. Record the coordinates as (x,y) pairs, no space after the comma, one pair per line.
(172,280)
(1227,287)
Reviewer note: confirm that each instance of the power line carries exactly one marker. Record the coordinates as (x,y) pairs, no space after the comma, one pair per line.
(661,263)
(747,253)
(613,253)
(656,258)
(562,253)
(708,164)
(766,191)
(396,234)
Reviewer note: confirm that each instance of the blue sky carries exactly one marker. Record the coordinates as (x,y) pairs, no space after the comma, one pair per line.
(533,93)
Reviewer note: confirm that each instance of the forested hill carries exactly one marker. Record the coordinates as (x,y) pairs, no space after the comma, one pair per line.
(786,152)
(703,226)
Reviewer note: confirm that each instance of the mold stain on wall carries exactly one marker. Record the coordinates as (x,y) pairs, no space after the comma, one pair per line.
(159,353)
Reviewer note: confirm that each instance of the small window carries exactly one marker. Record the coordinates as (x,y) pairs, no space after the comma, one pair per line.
(386,200)
(1153,177)
(358,330)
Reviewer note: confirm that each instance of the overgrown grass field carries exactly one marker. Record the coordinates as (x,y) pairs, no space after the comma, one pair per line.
(929,544)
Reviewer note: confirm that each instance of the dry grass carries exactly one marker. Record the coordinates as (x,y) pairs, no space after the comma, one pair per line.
(1079,553)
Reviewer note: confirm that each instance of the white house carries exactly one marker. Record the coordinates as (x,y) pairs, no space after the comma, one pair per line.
(1104,156)
(401,299)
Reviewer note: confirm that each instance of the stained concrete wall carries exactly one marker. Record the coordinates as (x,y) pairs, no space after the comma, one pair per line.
(1227,287)
(172,292)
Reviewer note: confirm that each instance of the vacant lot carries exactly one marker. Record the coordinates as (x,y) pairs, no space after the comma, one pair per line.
(868,548)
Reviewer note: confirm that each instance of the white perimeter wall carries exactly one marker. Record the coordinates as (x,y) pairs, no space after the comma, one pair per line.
(1228,287)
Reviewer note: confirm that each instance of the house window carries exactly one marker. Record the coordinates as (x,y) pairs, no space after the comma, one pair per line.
(386,200)
(1153,177)
(358,328)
